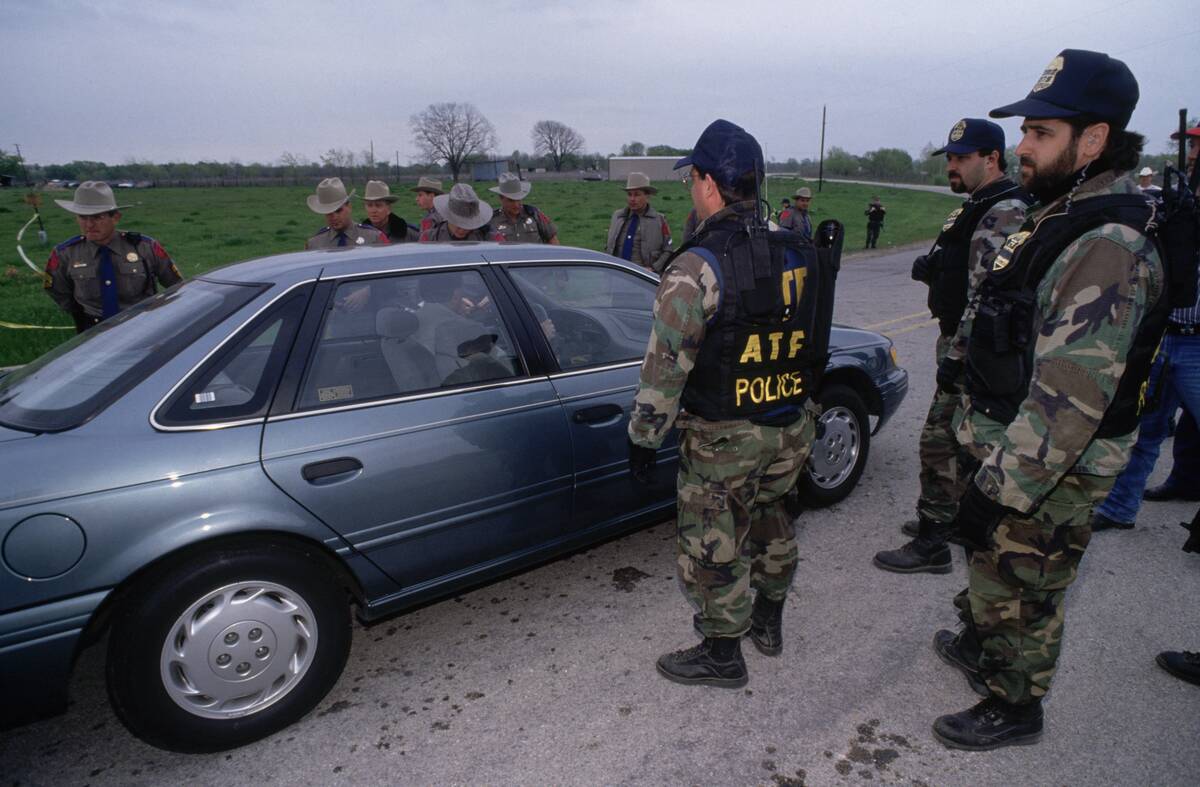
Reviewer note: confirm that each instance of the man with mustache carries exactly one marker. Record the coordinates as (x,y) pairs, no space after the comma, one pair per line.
(970,238)
(1063,331)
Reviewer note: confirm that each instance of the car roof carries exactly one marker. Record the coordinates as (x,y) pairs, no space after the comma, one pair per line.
(293,267)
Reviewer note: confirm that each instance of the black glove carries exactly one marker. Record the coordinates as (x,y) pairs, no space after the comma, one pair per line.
(949,372)
(641,462)
(977,519)
(1193,542)
(920,268)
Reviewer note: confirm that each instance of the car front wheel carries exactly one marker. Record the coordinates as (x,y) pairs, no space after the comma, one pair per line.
(839,456)
(226,647)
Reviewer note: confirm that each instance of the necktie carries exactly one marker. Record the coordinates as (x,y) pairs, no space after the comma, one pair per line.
(108,284)
(341,239)
(630,233)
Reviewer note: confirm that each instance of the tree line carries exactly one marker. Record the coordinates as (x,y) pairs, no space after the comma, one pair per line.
(451,136)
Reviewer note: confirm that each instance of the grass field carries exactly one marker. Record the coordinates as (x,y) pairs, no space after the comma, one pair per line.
(207,228)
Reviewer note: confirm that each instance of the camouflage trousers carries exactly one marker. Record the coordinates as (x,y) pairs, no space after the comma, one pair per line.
(1017,589)
(944,473)
(734,533)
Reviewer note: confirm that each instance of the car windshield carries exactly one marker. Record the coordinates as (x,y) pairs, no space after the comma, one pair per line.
(73,382)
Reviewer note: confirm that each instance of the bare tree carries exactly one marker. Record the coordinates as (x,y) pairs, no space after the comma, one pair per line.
(556,140)
(452,132)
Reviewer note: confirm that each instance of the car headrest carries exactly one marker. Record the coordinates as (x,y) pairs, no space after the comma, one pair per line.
(393,323)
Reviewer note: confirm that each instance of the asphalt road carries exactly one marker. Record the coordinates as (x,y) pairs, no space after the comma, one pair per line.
(548,677)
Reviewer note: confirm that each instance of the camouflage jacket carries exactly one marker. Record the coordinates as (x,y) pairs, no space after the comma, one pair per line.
(1002,219)
(1089,306)
(688,296)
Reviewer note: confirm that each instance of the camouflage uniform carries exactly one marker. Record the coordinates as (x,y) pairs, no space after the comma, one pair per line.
(1047,465)
(943,476)
(73,280)
(530,226)
(355,235)
(733,531)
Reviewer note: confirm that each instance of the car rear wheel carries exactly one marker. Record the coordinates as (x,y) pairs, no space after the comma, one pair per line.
(226,647)
(839,456)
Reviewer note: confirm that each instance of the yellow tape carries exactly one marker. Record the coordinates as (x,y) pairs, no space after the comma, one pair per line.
(19,326)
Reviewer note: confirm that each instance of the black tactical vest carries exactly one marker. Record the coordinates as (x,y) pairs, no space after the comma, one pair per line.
(766,347)
(950,261)
(1000,353)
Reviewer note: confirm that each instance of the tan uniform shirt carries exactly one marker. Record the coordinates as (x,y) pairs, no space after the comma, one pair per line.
(651,242)
(440,233)
(530,226)
(356,235)
(73,272)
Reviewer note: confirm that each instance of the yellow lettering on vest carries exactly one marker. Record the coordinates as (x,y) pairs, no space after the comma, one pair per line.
(787,288)
(756,390)
(775,337)
(798,276)
(785,386)
(771,397)
(796,343)
(741,386)
(753,351)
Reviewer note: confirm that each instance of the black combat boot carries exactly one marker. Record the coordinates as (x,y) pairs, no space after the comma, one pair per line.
(1184,664)
(717,661)
(927,552)
(766,625)
(911,528)
(956,651)
(991,724)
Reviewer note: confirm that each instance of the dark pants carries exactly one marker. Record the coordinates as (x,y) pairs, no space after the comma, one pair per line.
(873,233)
(1186,452)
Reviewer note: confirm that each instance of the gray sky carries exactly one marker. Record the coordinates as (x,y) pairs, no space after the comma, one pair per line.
(112,80)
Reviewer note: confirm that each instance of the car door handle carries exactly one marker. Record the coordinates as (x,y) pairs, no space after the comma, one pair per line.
(331,467)
(601,412)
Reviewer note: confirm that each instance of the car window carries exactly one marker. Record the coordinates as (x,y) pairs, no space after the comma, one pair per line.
(402,334)
(590,314)
(238,382)
(76,380)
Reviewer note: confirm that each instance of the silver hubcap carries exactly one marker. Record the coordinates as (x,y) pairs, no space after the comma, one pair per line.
(834,455)
(238,649)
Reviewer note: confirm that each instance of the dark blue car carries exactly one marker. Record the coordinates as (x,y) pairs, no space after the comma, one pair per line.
(216,476)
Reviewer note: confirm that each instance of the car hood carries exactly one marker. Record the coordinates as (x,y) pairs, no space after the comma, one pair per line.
(843,338)
(7,434)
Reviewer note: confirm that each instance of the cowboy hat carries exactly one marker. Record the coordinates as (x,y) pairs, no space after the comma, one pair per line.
(432,185)
(804,192)
(330,196)
(378,190)
(639,180)
(463,208)
(92,198)
(511,186)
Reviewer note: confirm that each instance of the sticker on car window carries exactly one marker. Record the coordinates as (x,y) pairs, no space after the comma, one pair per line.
(335,392)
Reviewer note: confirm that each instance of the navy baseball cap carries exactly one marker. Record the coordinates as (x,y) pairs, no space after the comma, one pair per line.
(725,151)
(1079,82)
(972,134)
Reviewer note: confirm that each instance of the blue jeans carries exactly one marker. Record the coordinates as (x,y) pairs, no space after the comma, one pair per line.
(1186,453)
(1179,386)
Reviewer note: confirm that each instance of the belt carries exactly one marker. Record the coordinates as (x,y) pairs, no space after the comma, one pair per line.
(1183,330)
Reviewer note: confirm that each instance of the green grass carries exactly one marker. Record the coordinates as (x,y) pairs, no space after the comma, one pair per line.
(205,228)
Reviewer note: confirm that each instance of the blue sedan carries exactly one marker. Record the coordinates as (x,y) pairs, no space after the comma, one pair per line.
(216,476)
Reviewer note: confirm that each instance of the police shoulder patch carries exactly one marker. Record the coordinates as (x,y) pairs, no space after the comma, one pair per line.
(69,243)
(1004,257)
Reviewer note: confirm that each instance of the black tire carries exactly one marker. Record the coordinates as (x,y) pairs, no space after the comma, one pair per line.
(839,457)
(292,627)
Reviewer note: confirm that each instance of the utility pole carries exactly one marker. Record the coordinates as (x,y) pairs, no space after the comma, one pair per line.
(397,166)
(821,165)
